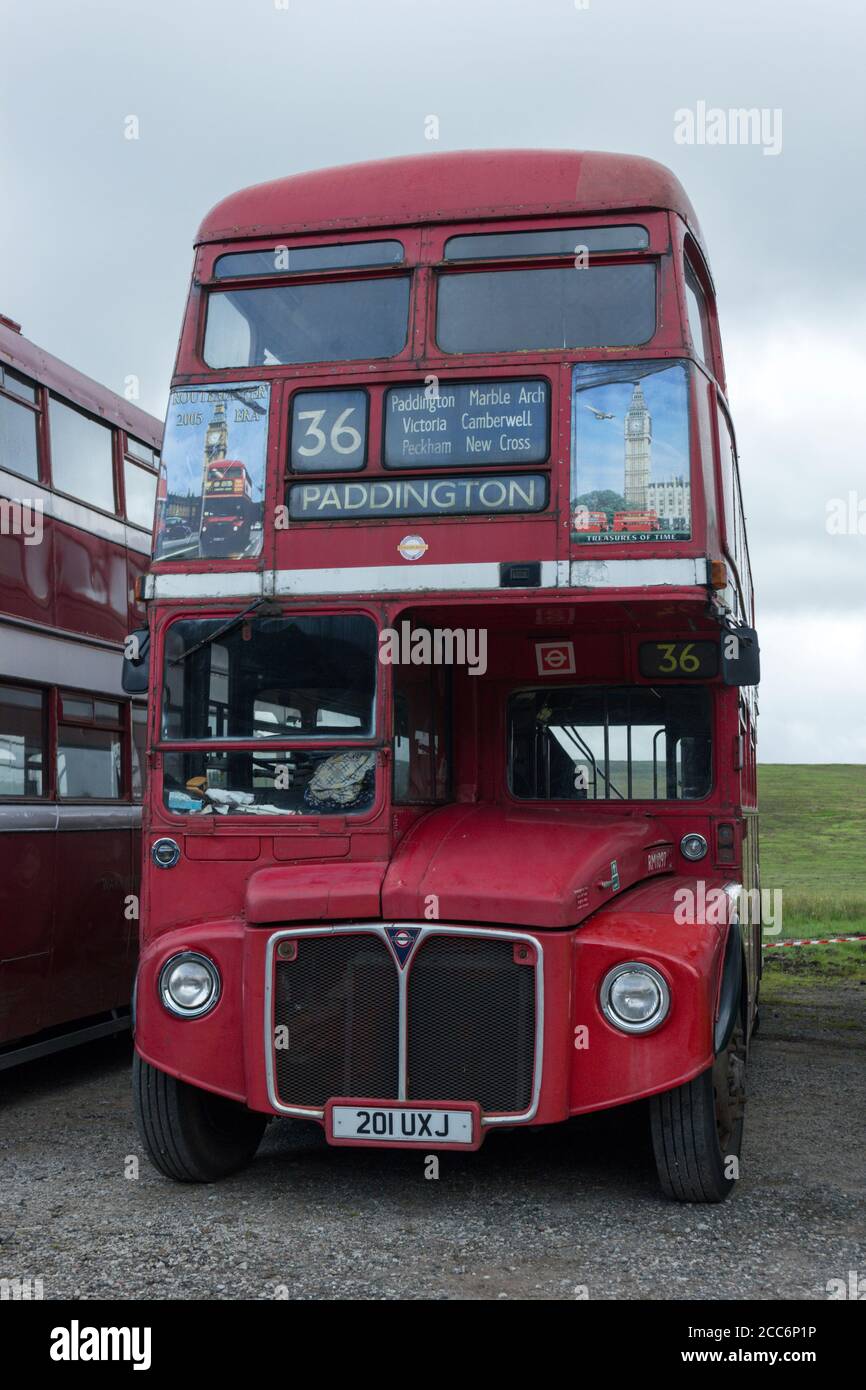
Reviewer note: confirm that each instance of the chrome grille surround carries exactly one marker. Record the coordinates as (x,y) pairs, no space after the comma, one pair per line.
(425,931)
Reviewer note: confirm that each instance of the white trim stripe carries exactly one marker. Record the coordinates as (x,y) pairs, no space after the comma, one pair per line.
(77,514)
(414,578)
(30,655)
(638,574)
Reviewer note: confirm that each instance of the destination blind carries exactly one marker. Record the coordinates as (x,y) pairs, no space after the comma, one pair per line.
(467,422)
(484,494)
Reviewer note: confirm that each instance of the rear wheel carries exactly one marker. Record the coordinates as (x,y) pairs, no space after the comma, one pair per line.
(697,1129)
(192,1135)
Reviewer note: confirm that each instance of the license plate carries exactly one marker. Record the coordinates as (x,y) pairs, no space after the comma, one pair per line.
(423,1125)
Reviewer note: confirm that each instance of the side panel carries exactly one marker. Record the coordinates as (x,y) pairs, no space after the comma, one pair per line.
(26,908)
(90,964)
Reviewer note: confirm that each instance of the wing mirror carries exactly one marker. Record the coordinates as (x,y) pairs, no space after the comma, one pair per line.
(135,676)
(740,657)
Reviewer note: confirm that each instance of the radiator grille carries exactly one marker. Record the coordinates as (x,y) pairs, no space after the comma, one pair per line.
(470,1020)
(471,1023)
(339,1003)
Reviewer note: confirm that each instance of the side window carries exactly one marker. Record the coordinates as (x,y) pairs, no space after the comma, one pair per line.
(22,742)
(139,741)
(742,553)
(735,530)
(748,769)
(81,456)
(699,323)
(143,452)
(89,748)
(140,487)
(19,424)
(422,735)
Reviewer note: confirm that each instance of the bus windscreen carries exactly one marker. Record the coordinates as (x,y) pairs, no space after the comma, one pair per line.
(618,743)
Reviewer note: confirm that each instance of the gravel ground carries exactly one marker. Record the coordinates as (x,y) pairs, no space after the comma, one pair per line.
(532,1215)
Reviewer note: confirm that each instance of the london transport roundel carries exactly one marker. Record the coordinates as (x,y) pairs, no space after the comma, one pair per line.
(412,547)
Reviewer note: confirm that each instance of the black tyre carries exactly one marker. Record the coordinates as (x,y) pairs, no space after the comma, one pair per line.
(697,1129)
(192,1135)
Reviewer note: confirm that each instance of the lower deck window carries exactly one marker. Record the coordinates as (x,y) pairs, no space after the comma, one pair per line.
(89,763)
(610,744)
(21,741)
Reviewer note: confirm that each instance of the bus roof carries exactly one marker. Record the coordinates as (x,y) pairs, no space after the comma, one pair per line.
(461,186)
(21,355)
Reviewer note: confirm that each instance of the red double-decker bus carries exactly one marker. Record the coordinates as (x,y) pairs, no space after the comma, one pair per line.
(228,512)
(452,802)
(635,521)
(78,475)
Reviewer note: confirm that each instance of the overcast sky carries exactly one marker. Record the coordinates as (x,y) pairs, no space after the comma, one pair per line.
(96,230)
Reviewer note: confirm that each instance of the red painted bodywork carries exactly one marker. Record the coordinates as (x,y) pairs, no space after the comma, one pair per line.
(67,943)
(486,858)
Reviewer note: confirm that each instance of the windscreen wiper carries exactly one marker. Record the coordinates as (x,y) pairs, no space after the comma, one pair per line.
(226,627)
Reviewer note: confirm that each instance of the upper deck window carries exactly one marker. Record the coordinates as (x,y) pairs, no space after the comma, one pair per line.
(696,305)
(332,321)
(143,452)
(547,307)
(140,487)
(295,260)
(17,385)
(19,424)
(559,241)
(81,456)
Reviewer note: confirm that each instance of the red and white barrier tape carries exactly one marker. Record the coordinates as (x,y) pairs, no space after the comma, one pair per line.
(814,941)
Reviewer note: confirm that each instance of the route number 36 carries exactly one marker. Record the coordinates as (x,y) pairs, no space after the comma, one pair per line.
(342,438)
(329,431)
(679,660)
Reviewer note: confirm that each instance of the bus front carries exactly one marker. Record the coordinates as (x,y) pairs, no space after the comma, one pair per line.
(451,747)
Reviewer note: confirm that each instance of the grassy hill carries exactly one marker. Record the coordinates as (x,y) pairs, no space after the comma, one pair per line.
(813,844)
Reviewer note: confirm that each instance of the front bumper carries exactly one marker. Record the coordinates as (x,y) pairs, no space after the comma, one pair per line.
(506,1019)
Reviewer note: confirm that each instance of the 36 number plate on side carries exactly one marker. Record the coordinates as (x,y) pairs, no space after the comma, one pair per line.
(359,1123)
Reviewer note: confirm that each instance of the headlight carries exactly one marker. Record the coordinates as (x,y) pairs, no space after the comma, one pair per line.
(189,985)
(165,853)
(693,846)
(634,997)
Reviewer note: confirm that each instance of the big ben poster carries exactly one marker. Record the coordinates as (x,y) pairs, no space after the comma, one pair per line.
(630,477)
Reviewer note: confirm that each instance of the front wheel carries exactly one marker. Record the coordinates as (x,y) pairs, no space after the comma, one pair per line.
(192,1135)
(697,1129)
